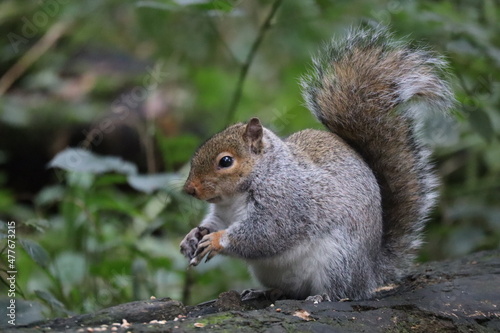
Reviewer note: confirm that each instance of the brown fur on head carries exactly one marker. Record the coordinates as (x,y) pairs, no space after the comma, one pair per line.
(221,164)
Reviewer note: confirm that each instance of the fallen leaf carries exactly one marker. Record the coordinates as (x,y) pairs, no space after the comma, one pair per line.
(303,314)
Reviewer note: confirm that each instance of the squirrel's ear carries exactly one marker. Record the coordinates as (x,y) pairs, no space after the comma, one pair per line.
(253,135)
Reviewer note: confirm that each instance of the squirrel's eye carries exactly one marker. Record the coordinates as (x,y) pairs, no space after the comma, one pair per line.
(226,162)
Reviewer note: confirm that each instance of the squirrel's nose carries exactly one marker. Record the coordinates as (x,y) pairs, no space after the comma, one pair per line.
(190,189)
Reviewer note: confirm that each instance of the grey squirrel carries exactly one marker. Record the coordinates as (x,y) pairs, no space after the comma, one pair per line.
(336,213)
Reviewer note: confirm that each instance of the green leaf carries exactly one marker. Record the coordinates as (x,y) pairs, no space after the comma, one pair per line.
(109,266)
(481,123)
(162,262)
(82,180)
(70,268)
(150,183)
(464,239)
(177,150)
(110,179)
(80,160)
(3,226)
(492,157)
(439,129)
(6,200)
(51,301)
(218,5)
(36,252)
(156,205)
(157,5)
(3,229)
(490,12)
(108,201)
(204,5)
(39,224)
(49,195)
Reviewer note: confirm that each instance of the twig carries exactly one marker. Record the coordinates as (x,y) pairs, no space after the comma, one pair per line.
(244,69)
(213,26)
(36,51)
(148,142)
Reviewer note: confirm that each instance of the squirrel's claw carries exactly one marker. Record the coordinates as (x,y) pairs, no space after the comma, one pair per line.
(190,243)
(211,255)
(201,251)
(208,246)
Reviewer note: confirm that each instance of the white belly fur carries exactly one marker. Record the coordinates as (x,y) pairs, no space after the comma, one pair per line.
(301,271)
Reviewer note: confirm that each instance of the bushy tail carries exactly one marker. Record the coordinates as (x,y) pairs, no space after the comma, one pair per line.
(374,92)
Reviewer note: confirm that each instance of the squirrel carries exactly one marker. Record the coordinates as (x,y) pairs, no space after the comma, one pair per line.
(337,213)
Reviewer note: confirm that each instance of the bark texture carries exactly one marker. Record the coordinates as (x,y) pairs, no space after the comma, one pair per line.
(461,295)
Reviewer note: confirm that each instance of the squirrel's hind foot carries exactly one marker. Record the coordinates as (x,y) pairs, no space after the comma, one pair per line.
(319,298)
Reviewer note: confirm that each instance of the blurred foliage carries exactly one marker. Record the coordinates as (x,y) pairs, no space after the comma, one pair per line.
(149,81)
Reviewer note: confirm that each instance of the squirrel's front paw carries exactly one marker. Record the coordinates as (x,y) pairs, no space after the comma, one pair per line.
(210,246)
(190,242)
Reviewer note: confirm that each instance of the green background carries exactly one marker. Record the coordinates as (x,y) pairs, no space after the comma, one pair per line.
(151,80)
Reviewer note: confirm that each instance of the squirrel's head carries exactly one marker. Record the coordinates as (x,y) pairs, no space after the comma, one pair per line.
(222,164)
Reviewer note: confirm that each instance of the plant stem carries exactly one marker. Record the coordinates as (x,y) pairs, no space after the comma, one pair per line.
(251,54)
(34,53)
(188,284)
